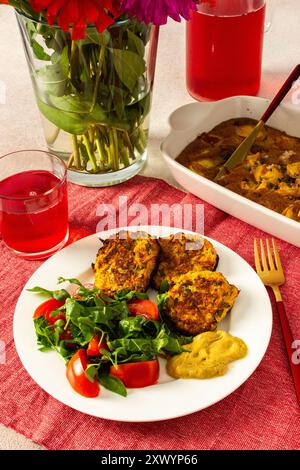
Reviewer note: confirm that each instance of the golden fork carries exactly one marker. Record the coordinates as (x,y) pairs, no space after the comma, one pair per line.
(242,151)
(272,275)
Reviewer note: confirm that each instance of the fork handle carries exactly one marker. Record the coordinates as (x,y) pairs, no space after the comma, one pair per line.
(291,347)
(281,93)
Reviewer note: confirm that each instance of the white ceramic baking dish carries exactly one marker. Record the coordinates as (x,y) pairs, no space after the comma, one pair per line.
(189,121)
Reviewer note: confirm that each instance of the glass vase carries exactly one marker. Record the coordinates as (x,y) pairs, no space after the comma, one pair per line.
(94,96)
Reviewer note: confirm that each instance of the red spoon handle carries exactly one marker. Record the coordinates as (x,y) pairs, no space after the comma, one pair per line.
(282,93)
(291,347)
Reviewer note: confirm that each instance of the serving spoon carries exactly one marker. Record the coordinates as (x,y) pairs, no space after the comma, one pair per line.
(244,148)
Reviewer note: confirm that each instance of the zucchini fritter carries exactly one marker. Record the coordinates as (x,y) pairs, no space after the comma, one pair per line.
(182,253)
(126,263)
(197,301)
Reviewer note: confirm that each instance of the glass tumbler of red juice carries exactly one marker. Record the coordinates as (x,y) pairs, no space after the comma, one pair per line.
(224,43)
(33,203)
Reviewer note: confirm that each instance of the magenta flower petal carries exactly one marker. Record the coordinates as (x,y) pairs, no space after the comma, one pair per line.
(158,11)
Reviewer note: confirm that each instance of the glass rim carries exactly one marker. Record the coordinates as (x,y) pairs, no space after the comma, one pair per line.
(117,22)
(264,3)
(45,193)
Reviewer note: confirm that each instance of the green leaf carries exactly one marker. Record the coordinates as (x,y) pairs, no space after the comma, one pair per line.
(113,384)
(72,113)
(87,328)
(55,58)
(91,371)
(55,313)
(168,343)
(137,345)
(61,294)
(74,310)
(41,291)
(145,106)
(142,30)
(118,96)
(104,315)
(38,51)
(175,341)
(173,346)
(45,336)
(134,357)
(161,299)
(71,280)
(72,104)
(52,79)
(45,349)
(93,37)
(129,66)
(98,115)
(152,328)
(131,326)
(68,122)
(130,295)
(161,340)
(107,355)
(65,351)
(135,43)
(75,331)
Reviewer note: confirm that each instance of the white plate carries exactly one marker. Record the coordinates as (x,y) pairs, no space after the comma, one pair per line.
(250,319)
(191,120)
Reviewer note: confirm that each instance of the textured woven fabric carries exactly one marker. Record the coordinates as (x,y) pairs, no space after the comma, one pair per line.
(262,414)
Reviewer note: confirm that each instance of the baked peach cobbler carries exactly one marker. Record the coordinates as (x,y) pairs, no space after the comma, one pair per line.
(270,175)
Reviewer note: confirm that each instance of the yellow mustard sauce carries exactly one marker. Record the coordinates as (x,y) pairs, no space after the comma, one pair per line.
(207,356)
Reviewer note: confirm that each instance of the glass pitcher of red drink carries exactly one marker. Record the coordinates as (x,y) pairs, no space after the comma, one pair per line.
(224,44)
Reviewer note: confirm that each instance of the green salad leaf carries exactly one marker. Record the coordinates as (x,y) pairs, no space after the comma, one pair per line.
(61,294)
(113,384)
(130,295)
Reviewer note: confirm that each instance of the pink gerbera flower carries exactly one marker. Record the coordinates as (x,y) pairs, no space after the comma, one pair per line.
(158,11)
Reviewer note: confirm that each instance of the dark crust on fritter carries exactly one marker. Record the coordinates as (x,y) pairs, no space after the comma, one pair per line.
(125,264)
(174,259)
(217,262)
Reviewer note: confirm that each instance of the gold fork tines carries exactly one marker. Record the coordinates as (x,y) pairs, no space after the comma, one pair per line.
(269,268)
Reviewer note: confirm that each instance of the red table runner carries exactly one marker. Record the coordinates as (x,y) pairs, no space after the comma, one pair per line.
(262,414)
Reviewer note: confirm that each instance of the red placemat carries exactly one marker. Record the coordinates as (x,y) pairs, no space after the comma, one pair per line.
(263,413)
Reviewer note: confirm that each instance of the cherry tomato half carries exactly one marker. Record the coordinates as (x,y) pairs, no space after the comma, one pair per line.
(94,346)
(137,374)
(144,307)
(46,308)
(77,378)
